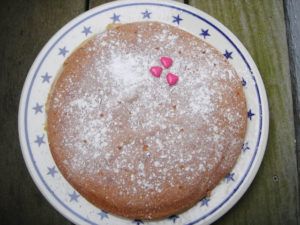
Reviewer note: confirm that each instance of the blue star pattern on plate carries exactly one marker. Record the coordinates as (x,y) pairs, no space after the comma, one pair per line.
(204,202)
(243,82)
(52,171)
(40,140)
(204,33)
(250,114)
(103,215)
(245,146)
(177,19)
(137,222)
(74,196)
(229,177)
(146,14)
(46,78)
(63,51)
(86,30)
(115,18)
(173,218)
(228,54)
(37,108)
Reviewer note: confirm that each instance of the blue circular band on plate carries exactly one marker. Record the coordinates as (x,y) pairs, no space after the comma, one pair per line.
(121,6)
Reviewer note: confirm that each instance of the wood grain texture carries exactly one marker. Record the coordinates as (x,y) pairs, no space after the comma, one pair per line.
(94,3)
(292,12)
(273,196)
(25,27)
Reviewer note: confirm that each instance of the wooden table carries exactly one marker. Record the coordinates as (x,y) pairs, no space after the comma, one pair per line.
(270,30)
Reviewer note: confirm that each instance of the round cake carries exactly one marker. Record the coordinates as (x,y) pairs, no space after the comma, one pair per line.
(145,119)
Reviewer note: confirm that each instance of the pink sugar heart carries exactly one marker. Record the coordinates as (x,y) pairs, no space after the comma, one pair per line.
(166,62)
(156,70)
(172,78)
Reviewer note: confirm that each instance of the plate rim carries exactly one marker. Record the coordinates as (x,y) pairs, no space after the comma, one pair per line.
(227,204)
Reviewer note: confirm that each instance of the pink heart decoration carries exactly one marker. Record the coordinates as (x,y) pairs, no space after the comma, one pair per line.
(172,78)
(166,62)
(156,70)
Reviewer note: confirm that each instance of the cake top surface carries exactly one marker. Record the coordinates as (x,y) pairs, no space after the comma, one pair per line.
(135,140)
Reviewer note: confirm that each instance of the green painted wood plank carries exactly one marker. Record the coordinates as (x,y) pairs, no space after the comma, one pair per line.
(25,27)
(292,11)
(94,3)
(273,196)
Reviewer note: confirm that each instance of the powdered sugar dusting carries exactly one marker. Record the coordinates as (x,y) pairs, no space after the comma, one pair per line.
(125,69)
(124,128)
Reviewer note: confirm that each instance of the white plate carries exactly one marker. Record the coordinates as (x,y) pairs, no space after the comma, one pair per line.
(33,136)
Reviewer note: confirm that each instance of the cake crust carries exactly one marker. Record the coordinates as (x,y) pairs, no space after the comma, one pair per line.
(129,142)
